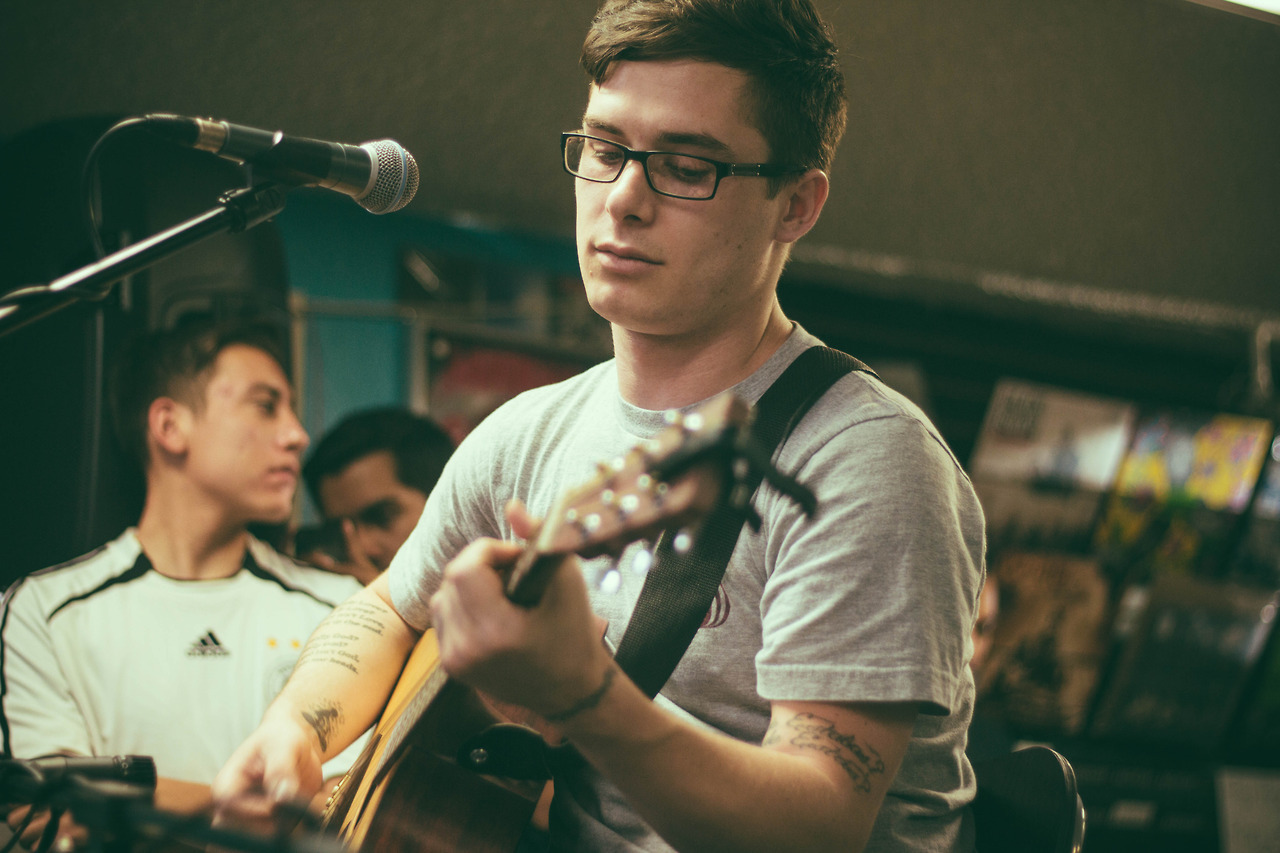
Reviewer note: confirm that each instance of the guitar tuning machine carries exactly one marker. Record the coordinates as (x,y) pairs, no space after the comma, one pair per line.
(692,422)
(587,524)
(608,470)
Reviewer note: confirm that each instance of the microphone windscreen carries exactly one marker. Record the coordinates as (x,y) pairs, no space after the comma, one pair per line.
(396,181)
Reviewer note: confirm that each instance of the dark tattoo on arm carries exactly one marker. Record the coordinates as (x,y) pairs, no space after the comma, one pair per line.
(325,721)
(808,731)
(346,626)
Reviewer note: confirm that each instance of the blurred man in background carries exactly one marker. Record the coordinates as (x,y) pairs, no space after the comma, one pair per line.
(370,476)
(170,640)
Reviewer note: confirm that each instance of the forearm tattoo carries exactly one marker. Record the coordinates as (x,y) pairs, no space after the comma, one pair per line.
(808,731)
(325,721)
(335,639)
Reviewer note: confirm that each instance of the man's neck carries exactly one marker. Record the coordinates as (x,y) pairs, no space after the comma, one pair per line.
(186,541)
(664,372)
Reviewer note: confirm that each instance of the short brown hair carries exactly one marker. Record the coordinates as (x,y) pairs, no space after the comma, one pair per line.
(783,46)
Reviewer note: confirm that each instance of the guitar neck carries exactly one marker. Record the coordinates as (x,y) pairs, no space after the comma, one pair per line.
(528,578)
(663,483)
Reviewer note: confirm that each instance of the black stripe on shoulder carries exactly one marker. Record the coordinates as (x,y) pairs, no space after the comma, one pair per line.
(83,558)
(251,566)
(6,749)
(139,568)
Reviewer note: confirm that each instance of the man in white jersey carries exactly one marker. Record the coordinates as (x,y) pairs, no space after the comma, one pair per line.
(171,640)
(825,706)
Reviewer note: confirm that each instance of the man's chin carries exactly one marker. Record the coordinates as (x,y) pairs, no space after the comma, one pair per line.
(270,516)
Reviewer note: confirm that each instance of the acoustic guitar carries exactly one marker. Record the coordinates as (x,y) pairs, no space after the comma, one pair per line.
(447,770)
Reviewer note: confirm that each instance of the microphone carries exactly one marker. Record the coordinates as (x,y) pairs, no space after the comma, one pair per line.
(381,176)
(39,775)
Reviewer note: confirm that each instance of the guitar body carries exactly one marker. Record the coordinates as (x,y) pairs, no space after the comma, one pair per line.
(407,793)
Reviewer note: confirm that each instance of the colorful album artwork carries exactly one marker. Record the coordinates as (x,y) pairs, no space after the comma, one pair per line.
(1180,492)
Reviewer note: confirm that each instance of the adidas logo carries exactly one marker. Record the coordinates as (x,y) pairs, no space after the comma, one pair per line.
(206,646)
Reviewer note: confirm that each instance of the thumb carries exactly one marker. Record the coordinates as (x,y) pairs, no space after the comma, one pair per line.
(522,523)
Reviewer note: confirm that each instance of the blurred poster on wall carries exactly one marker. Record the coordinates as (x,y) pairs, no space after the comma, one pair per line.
(1044,459)
(1050,641)
(472,372)
(1183,669)
(1256,561)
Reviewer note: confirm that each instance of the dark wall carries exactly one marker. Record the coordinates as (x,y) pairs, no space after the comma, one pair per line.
(1127,145)
(66,486)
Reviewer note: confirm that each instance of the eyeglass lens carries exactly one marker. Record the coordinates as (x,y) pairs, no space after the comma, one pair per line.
(674,174)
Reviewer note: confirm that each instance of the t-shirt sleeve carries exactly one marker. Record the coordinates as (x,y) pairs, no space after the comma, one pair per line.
(459,510)
(872,600)
(40,713)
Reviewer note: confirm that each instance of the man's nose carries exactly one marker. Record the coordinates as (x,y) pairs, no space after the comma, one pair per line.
(294,434)
(630,194)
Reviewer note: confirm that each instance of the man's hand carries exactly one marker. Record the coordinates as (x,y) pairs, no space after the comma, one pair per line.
(547,658)
(279,763)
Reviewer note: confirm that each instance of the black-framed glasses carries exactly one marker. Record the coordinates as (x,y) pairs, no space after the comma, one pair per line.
(668,173)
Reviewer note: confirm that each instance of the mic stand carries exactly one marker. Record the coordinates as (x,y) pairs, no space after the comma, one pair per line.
(237,210)
(120,818)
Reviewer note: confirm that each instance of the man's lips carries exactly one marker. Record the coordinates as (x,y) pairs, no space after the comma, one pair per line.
(283,471)
(618,253)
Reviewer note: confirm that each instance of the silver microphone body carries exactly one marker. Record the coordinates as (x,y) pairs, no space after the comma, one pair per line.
(381,176)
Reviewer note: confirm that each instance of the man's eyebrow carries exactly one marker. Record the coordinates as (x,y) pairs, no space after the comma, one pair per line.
(704,141)
(266,388)
(375,510)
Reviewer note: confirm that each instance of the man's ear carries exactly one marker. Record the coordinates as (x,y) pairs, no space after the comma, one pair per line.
(805,198)
(168,424)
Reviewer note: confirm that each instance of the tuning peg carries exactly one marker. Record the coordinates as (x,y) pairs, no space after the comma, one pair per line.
(682,542)
(628,504)
(692,422)
(610,582)
(642,561)
(587,524)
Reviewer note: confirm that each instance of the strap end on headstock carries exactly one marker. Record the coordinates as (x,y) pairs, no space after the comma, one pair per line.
(756,460)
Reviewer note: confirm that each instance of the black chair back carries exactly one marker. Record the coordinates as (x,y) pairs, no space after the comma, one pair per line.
(1028,802)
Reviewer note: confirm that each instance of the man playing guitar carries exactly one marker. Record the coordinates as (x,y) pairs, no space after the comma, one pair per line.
(825,706)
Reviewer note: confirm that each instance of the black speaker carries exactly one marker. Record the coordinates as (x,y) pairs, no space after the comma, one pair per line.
(66,486)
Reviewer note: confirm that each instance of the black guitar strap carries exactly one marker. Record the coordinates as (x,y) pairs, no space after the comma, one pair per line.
(680,588)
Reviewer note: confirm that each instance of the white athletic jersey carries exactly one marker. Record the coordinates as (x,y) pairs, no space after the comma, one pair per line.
(106,656)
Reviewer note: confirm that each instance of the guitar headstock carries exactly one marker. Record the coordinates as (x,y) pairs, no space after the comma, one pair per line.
(668,481)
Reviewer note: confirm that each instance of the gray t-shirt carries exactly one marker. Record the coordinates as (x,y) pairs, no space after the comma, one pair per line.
(871,600)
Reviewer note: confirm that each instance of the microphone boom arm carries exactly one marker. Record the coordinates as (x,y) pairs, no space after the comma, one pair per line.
(237,210)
